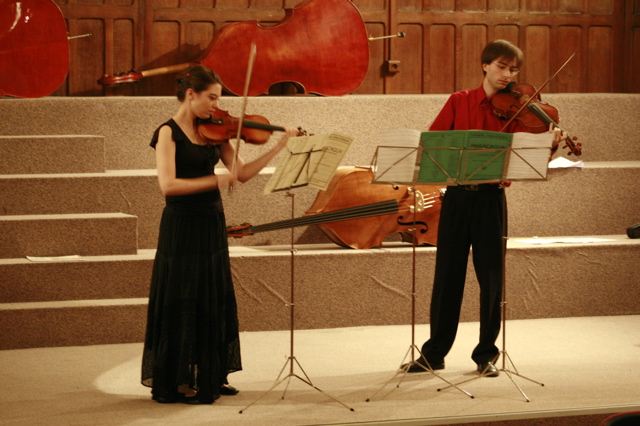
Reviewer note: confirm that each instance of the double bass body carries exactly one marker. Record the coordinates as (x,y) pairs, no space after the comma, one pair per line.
(321,45)
(352,187)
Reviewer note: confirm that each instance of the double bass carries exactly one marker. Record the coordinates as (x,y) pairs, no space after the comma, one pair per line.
(355,213)
(34,48)
(321,45)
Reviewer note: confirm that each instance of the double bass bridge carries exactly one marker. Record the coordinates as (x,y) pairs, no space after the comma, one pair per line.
(420,202)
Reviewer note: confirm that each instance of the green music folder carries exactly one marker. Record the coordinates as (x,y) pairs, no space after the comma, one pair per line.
(461,157)
(457,156)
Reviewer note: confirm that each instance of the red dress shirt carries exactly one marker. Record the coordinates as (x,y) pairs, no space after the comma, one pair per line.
(471,110)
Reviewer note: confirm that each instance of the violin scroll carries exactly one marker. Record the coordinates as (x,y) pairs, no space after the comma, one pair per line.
(574,148)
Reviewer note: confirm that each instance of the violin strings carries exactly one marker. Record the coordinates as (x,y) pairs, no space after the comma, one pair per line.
(539,112)
(546,119)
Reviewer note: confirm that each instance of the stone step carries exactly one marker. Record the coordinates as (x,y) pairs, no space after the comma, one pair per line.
(88,277)
(79,323)
(334,287)
(606,123)
(134,192)
(597,199)
(593,200)
(51,154)
(67,234)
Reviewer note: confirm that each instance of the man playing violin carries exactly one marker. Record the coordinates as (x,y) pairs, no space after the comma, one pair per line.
(473,216)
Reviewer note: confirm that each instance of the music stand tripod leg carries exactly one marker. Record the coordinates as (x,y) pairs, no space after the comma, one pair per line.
(404,368)
(291,359)
(503,352)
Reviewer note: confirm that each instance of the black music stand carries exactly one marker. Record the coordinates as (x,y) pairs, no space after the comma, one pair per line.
(470,158)
(296,170)
(524,158)
(405,157)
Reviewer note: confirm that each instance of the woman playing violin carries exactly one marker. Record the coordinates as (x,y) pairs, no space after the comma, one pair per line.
(192,342)
(473,216)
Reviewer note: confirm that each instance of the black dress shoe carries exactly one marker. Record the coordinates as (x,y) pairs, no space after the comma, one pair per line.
(198,399)
(420,366)
(227,389)
(488,369)
(164,400)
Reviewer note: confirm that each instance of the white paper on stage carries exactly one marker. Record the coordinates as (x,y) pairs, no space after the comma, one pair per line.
(562,163)
(529,156)
(397,155)
(309,160)
(537,240)
(69,258)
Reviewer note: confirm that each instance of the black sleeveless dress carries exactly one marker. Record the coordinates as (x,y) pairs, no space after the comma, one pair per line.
(192,324)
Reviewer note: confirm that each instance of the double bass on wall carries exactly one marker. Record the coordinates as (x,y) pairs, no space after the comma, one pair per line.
(34,48)
(321,45)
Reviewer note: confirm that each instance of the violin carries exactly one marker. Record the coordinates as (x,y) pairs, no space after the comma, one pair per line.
(222,126)
(355,213)
(535,117)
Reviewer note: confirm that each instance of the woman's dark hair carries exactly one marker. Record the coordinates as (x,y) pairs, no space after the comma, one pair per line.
(197,78)
(502,49)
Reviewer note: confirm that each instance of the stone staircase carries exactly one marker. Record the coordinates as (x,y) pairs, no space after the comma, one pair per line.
(80,209)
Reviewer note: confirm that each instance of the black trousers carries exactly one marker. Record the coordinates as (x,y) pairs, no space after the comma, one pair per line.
(471,217)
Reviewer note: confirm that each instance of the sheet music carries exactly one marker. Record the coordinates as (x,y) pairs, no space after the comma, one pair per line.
(530,156)
(292,160)
(397,153)
(309,160)
(327,156)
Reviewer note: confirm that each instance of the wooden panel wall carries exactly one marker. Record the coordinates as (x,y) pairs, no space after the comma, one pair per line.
(439,54)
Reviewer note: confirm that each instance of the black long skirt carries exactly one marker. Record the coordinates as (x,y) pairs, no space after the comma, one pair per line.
(192,323)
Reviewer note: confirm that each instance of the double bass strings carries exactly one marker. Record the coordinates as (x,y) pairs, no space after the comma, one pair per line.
(358,212)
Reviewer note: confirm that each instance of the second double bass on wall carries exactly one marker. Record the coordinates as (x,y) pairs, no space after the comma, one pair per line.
(321,46)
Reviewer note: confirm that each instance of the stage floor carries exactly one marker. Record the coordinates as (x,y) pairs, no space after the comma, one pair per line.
(588,366)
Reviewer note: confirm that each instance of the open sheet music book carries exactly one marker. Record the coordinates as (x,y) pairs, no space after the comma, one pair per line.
(461,156)
(309,160)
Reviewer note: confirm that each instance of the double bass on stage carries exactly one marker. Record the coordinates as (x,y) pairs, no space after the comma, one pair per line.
(355,213)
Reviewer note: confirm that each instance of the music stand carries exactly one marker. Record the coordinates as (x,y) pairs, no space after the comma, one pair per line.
(307,161)
(525,157)
(399,165)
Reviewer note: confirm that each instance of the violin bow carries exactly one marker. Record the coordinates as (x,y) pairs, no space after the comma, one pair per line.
(524,105)
(252,57)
